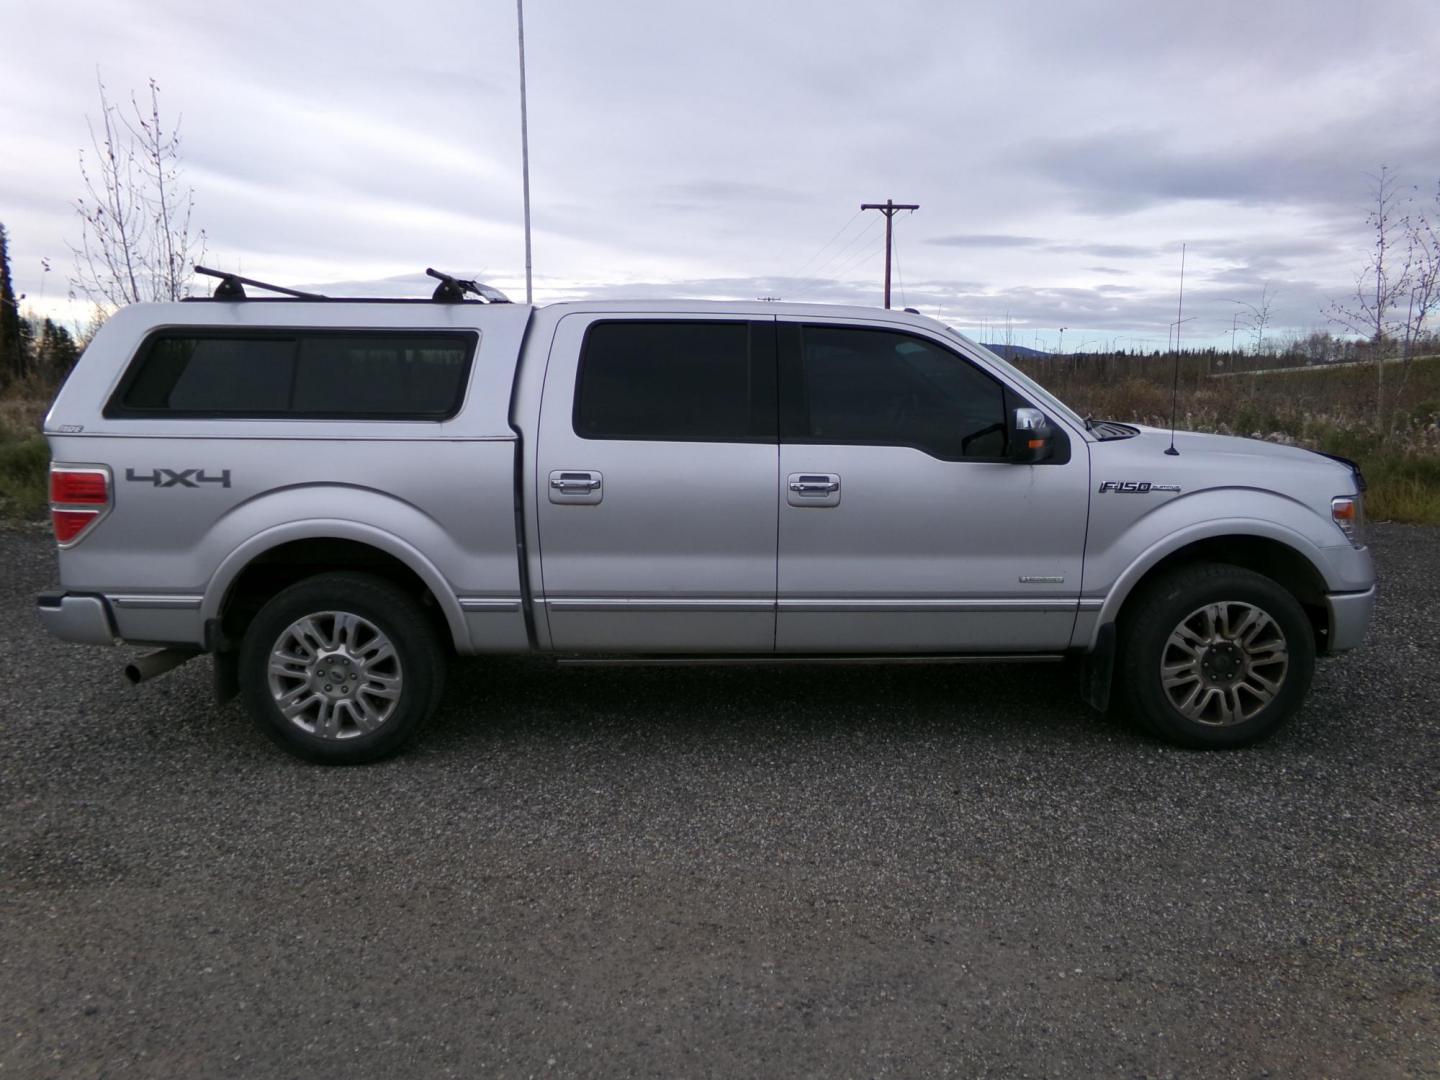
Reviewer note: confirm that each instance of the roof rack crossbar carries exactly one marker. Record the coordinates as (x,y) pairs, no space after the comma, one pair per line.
(232,286)
(452,290)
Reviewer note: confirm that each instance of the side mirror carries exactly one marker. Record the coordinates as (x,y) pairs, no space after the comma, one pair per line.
(1032,440)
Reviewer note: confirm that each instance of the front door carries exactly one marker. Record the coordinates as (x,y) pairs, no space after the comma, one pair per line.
(656,485)
(903,526)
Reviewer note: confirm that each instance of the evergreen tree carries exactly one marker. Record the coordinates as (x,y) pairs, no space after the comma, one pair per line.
(55,352)
(12,348)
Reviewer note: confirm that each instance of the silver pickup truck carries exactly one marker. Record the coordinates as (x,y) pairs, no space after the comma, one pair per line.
(332,497)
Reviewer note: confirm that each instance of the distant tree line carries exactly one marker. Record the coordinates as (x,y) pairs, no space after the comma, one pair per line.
(137,242)
(35,353)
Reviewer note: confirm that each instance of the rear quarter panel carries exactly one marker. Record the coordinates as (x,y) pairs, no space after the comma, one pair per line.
(439,495)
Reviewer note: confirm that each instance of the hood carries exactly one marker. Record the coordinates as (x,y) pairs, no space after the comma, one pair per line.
(1231,448)
(1219,461)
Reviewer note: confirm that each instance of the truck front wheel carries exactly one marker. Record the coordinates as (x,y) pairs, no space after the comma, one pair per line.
(341,669)
(1214,656)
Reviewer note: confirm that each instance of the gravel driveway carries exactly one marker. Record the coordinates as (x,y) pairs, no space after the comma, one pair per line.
(804,872)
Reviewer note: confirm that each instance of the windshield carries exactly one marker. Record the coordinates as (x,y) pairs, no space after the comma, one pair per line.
(1039,395)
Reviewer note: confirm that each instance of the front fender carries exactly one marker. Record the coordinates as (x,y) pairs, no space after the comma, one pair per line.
(1118,559)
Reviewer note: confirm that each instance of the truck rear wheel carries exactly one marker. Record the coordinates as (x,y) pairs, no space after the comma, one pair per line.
(341,669)
(1214,656)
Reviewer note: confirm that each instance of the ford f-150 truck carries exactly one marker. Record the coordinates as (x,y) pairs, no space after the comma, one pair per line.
(332,497)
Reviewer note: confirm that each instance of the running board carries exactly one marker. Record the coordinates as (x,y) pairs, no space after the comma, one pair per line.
(734,661)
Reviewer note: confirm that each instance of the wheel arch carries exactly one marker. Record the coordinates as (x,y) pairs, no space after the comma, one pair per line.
(1282,560)
(281,556)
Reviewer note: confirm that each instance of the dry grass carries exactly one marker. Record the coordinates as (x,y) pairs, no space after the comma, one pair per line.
(1331,409)
(24,459)
(21,416)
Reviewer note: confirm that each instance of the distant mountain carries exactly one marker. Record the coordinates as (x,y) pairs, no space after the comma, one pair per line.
(1014,352)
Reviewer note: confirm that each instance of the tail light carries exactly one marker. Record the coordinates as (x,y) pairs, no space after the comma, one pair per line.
(79,497)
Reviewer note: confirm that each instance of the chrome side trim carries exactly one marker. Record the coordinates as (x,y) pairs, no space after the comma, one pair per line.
(649,604)
(828,607)
(1092,603)
(818,659)
(858,607)
(489,604)
(213,437)
(172,602)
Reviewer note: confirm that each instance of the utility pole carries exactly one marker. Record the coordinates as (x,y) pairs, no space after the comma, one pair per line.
(888,208)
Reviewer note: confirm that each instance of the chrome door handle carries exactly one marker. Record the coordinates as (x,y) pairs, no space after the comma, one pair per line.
(813,490)
(576,486)
(816,486)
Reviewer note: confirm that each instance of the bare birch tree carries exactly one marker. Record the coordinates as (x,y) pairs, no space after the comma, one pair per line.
(1374,311)
(137,240)
(1424,257)
(1257,317)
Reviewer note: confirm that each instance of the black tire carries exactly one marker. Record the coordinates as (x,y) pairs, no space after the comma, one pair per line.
(1222,682)
(391,691)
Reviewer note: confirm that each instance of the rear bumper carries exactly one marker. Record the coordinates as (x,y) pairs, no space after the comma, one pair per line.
(85,620)
(1349,617)
(140,619)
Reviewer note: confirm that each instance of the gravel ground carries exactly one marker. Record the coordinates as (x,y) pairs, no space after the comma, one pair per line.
(893,872)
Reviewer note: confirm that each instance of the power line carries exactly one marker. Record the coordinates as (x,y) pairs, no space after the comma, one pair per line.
(839,256)
(827,243)
(863,256)
(818,274)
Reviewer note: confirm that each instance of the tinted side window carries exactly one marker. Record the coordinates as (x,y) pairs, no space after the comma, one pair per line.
(367,375)
(302,374)
(677,381)
(215,375)
(880,387)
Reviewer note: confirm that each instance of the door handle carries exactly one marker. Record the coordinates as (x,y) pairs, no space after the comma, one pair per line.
(574,483)
(814,486)
(576,486)
(813,489)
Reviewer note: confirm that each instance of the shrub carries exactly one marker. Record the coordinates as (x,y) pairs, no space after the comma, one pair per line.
(24,472)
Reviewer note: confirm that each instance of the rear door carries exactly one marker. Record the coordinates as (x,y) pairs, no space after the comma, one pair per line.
(656,485)
(903,525)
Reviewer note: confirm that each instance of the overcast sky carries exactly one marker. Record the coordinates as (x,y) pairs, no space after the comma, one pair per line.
(1061,151)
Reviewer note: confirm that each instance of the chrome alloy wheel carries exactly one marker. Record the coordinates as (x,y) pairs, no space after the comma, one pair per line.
(1224,663)
(335,675)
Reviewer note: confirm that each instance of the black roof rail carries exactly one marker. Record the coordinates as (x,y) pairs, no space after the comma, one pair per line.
(232,286)
(451,290)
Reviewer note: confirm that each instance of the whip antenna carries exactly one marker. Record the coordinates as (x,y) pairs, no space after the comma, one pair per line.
(1175,377)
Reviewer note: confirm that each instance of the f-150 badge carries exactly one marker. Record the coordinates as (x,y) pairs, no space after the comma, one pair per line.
(1135,487)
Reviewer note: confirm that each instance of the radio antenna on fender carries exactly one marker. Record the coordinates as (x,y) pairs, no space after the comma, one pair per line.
(1175,377)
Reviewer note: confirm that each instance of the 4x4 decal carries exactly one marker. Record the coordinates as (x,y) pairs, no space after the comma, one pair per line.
(178,477)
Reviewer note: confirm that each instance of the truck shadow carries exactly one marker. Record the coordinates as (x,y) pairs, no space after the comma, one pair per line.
(516,698)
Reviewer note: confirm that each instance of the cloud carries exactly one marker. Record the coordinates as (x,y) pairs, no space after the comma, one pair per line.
(986,240)
(676,150)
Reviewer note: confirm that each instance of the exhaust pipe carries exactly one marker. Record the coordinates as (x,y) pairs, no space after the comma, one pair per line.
(156,663)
